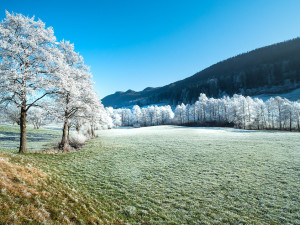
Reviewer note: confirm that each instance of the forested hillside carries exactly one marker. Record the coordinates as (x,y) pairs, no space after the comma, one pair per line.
(271,69)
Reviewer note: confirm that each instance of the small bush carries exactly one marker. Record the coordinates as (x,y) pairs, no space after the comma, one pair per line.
(77,140)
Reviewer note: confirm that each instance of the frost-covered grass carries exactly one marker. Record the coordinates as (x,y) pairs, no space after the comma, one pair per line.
(37,139)
(179,175)
(29,196)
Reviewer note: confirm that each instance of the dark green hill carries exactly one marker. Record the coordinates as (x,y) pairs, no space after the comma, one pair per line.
(267,70)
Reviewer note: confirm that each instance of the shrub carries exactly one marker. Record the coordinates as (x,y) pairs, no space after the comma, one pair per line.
(77,140)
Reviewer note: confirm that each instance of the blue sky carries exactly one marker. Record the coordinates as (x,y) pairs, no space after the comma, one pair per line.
(134,44)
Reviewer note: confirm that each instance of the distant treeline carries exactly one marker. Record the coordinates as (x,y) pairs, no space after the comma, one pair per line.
(237,111)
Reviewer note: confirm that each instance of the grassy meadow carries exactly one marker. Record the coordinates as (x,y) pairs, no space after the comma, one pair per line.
(168,175)
(37,139)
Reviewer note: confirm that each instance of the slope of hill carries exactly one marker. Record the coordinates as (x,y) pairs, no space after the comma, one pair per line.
(293,95)
(30,196)
(267,70)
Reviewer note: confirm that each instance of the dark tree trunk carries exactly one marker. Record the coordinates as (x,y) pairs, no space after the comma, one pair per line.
(23,131)
(64,140)
(69,127)
(93,131)
(290,120)
(279,117)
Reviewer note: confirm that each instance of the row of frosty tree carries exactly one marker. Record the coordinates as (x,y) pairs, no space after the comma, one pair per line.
(238,111)
(37,71)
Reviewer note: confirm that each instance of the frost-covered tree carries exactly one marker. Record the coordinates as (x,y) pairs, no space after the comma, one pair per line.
(114,115)
(107,118)
(126,117)
(136,113)
(76,100)
(37,117)
(271,113)
(95,111)
(117,120)
(29,60)
(296,110)
(144,117)
(225,102)
(187,113)
(75,79)
(202,106)
(151,115)
(278,101)
(238,111)
(288,114)
(12,114)
(258,108)
(167,114)
(180,113)
(156,119)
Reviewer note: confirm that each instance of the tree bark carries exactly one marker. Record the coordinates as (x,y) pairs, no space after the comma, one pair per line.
(23,131)
(69,127)
(279,117)
(64,140)
(93,131)
(290,120)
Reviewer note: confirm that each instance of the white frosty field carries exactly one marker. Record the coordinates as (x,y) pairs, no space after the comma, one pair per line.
(180,175)
(196,175)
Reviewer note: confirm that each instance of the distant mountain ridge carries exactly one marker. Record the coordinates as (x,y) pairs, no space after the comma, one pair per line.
(271,69)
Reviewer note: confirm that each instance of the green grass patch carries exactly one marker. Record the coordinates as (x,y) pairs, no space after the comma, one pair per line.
(37,139)
(177,175)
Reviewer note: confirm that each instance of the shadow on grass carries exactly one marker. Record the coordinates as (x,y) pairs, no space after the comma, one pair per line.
(31,137)
(12,139)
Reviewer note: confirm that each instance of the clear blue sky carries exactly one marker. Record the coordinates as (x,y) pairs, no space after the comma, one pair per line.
(134,44)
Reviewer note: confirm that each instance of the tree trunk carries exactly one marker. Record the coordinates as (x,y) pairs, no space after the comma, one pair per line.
(279,118)
(23,131)
(272,121)
(69,127)
(64,139)
(225,111)
(93,131)
(290,120)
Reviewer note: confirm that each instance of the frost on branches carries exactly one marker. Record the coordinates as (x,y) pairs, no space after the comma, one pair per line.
(28,67)
(34,68)
(238,111)
(76,99)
